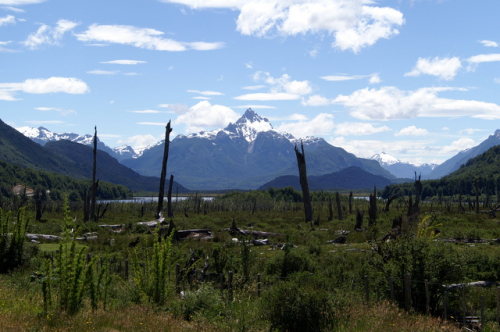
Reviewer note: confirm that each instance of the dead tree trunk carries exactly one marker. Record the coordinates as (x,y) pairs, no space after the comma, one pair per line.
(372,209)
(330,208)
(350,202)
(169,197)
(418,192)
(359,219)
(477,195)
(95,183)
(339,206)
(161,192)
(301,162)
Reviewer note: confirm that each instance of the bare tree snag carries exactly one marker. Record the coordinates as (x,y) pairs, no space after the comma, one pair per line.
(170,213)
(301,162)
(161,192)
(339,206)
(372,209)
(477,194)
(350,202)
(330,208)
(359,219)
(94,182)
(389,201)
(418,193)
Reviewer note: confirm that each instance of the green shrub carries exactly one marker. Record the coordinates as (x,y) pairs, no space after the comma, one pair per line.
(205,302)
(295,306)
(289,261)
(12,240)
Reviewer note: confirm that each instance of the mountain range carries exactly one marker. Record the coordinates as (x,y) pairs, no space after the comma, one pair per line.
(250,152)
(402,169)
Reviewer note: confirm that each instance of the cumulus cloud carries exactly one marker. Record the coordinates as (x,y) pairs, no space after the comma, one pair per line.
(322,124)
(489,43)
(47,35)
(353,24)
(9,19)
(477,59)
(374,79)
(469,131)
(457,146)
(390,103)
(412,131)
(281,88)
(205,115)
(141,37)
(124,62)
(358,129)
(69,85)
(445,68)
(316,100)
(139,142)
(253,87)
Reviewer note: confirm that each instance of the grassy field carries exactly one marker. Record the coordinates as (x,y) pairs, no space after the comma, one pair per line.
(306,283)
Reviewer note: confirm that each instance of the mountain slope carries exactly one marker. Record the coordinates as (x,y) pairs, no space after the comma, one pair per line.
(351,177)
(71,159)
(42,136)
(462,157)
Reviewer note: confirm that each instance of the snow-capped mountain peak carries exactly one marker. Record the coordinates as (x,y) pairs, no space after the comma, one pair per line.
(385,159)
(249,126)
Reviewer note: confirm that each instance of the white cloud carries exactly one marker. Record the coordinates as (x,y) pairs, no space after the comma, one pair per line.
(390,103)
(484,58)
(131,74)
(340,78)
(293,117)
(44,122)
(138,142)
(47,35)
(146,111)
(69,85)
(14,9)
(445,68)
(282,88)
(249,65)
(316,100)
(9,19)
(469,131)
(140,37)
(496,80)
(253,87)
(124,62)
(268,96)
(176,108)
(103,72)
(206,93)
(489,43)
(457,146)
(202,98)
(205,115)
(255,107)
(19,2)
(412,131)
(353,23)
(322,124)
(374,79)
(358,129)
(63,112)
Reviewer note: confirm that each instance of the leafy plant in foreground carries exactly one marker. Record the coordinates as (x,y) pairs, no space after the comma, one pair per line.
(12,240)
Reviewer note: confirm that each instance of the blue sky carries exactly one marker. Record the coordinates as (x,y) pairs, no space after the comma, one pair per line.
(418,79)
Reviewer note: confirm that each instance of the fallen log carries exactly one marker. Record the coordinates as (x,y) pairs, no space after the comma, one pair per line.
(475,283)
(43,237)
(235,230)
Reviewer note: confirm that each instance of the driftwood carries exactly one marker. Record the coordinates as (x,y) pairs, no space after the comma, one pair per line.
(43,237)
(475,283)
(235,230)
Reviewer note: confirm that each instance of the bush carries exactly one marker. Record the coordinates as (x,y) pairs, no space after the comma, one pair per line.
(206,302)
(289,261)
(294,306)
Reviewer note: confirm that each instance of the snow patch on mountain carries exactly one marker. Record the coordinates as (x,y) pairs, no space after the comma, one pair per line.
(385,159)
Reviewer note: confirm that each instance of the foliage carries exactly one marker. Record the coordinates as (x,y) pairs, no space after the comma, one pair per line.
(152,279)
(297,306)
(205,301)
(69,278)
(12,240)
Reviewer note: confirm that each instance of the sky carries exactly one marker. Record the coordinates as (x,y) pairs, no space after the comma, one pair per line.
(417,79)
